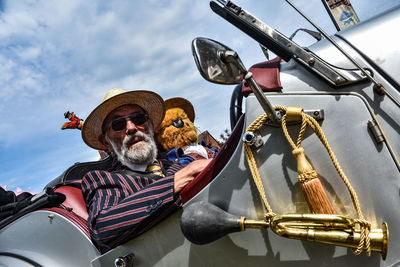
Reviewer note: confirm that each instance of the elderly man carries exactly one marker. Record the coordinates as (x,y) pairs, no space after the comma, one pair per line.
(139,190)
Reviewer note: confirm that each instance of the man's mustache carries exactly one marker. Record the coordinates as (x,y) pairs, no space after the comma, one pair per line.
(130,137)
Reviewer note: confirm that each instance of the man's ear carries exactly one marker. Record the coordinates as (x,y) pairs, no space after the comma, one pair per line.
(151,126)
(102,139)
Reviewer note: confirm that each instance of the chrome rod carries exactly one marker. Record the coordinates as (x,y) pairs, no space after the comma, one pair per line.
(366,73)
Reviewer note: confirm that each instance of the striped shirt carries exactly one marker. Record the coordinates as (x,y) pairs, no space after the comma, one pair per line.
(123,204)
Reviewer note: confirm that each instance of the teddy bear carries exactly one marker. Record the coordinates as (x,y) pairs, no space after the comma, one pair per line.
(177,136)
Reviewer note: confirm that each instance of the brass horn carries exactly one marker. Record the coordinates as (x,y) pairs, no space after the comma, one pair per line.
(203,222)
(324,228)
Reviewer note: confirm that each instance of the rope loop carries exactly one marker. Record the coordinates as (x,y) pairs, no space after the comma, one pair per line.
(269,215)
(365,241)
(254,126)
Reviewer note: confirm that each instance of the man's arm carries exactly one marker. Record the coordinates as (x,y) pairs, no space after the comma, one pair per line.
(187,174)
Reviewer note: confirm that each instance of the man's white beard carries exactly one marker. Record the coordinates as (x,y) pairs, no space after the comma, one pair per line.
(142,153)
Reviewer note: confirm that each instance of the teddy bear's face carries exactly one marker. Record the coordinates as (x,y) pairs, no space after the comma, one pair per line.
(176,130)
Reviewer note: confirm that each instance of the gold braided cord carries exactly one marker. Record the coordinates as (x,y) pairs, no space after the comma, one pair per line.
(255,125)
(365,241)
(286,133)
(317,129)
(302,130)
(256,177)
(365,226)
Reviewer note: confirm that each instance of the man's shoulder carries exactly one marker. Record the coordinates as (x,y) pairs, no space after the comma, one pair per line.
(99,174)
(103,177)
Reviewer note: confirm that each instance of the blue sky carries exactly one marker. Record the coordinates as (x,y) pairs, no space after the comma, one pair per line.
(66,54)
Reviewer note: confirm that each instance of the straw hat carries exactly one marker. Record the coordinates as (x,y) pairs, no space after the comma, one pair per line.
(151,102)
(180,102)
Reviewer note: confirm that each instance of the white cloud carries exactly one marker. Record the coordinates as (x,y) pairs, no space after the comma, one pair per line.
(65,55)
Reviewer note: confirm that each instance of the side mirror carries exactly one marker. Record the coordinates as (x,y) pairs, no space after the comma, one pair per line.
(212,62)
(218,63)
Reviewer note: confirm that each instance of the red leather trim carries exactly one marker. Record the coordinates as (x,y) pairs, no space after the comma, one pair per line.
(74,200)
(266,75)
(215,166)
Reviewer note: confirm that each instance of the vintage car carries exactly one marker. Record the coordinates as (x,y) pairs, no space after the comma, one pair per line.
(341,95)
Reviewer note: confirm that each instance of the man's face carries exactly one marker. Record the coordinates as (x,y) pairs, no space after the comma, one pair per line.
(130,136)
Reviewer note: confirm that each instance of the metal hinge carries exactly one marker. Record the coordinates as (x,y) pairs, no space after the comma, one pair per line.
(376,131)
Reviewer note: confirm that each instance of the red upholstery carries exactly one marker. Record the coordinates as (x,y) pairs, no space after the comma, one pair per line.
(216,165)
(74,200)
(73,208)
(266,75)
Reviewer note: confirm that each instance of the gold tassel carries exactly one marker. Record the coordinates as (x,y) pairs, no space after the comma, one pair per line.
(311,186)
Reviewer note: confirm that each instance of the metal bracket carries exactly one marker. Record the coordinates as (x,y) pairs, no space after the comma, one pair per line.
(317,114)
(125,261)
(252,139)
(255,139)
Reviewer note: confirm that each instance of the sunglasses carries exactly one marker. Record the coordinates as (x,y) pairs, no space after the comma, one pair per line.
(119,124)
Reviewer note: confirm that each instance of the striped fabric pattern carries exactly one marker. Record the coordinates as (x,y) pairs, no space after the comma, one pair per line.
(122,206)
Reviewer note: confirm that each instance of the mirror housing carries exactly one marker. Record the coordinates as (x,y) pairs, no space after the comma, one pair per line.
(212,61)
(218,63)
